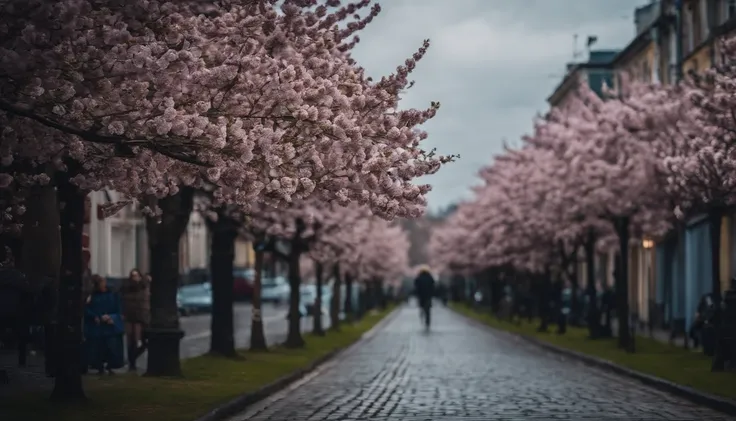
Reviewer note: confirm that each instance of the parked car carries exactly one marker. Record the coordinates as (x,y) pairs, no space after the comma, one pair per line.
(196,276)
(275,290)
(243,283)
(195,298)
(309,297)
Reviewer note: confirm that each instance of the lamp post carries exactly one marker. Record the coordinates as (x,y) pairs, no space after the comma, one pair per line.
(648,245)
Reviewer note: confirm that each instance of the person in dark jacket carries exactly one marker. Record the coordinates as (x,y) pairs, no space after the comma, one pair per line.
(103,328)
(136,298)
(424,286)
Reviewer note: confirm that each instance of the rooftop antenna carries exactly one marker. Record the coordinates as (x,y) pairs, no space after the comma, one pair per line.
(592,39)
(575,52)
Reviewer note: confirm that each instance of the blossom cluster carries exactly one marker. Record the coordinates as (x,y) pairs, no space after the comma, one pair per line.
(260,99)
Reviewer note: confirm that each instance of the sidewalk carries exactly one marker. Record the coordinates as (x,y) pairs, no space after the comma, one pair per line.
(23,379)
(659,335)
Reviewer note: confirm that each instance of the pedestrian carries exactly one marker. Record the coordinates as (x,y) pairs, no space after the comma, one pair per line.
(103,328)
(424,287)
(136,296)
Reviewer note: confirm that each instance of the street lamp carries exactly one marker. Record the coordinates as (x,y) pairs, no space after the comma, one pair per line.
(648,244)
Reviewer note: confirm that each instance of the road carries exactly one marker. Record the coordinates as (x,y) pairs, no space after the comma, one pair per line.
(197,329)
(459,370)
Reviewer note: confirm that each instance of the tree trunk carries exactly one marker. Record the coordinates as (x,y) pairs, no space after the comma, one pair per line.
(336,299)
(41,255)
(349,311)
(257,334)
(317,316)
(715,221)
(593,316)
(224,232)
(164,334)
(622,284)
(681,264)
(40,259)
(68,337)
(294,337)
(575,286)
(382,302)
(545,291)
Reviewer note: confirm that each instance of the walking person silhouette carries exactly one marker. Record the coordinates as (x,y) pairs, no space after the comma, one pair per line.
(424,285)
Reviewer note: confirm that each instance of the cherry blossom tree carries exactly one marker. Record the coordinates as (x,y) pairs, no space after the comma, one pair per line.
(335,239)
(102,86)
(704,168)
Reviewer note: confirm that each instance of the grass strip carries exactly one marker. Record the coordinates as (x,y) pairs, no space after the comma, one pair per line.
(208,382)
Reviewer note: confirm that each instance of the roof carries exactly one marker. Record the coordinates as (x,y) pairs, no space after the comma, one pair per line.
(569,79)
(635,46)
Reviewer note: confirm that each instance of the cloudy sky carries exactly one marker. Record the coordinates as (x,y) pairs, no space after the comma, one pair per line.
(492,64)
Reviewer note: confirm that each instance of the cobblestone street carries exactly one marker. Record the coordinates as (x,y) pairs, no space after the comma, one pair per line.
(460,371)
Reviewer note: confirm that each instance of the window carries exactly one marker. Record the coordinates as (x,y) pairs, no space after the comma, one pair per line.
(687,39)
(646,75)
(697,24)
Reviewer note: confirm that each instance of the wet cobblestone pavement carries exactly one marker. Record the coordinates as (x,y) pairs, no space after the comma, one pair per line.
(460,371)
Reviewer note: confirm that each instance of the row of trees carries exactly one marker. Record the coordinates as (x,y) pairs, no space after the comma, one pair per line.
(248,104)
(603,172)
(316,239)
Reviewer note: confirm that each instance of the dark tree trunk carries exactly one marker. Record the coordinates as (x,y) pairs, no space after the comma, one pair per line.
(680,262)
(349,311)
(68,337)
(622,284)
(224,232)
(41,243)
(545,294)
(715,220)
(40,260)
(257,334)
(335,300)
(575,305)
(317,329)
(11,247)
(382,301)
(164,334)
(593,316)
(294,337)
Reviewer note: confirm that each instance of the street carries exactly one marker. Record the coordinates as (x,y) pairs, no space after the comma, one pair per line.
(462,371)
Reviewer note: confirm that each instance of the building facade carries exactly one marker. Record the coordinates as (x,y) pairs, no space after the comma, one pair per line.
(119,243)
(672,39)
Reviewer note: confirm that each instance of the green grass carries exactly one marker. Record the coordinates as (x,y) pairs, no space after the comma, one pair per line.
(652,357)
(208,382)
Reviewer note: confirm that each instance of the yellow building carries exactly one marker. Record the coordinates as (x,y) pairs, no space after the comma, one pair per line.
(704,22)
(640,59)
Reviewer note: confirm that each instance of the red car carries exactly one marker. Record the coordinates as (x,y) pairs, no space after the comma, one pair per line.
(243,283)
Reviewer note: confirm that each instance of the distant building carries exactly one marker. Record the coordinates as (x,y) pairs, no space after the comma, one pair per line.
(597,72)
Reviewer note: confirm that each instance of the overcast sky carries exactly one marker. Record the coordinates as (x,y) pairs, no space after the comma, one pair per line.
(492,65)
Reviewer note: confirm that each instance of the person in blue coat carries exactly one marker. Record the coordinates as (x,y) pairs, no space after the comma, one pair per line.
(103,328)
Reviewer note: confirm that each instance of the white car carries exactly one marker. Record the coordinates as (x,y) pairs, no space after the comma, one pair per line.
(275,290)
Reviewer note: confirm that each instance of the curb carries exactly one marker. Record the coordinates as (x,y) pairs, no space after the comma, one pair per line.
(241,403)
(717,403)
